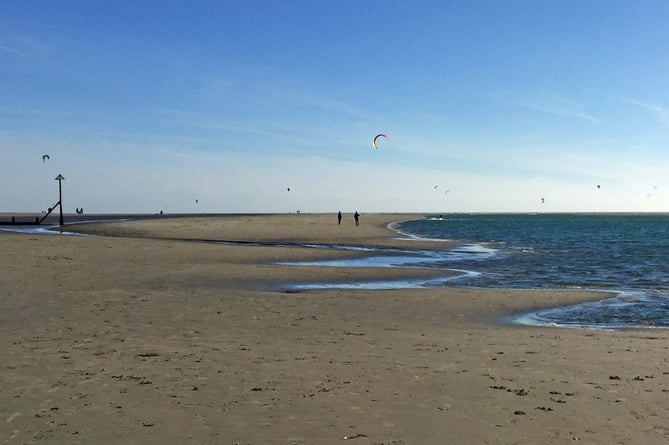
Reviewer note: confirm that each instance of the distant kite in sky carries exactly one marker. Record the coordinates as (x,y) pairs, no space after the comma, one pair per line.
(44,158)
(436,187)
(446,192)
(543,200)
(288,188)
(598,186)
(196,201)
(381,135)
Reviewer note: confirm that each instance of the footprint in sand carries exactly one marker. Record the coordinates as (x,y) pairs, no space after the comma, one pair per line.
(11,418)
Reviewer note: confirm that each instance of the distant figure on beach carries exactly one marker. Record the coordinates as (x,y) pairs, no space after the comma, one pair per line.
(356,216)
(339,218)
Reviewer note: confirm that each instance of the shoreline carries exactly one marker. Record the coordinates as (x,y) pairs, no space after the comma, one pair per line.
(102,225)
(133,340)
(431,244)
(374,281)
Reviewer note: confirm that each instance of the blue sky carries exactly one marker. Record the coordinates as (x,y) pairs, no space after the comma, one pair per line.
(151,105)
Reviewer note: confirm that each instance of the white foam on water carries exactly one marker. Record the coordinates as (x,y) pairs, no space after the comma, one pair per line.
(410,237)
(42,230)
(55,229)
(622,300)
(385,284)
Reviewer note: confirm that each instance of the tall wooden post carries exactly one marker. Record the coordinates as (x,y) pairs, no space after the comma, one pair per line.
(59,178)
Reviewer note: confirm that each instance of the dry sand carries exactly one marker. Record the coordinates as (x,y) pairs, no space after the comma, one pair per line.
(130,339)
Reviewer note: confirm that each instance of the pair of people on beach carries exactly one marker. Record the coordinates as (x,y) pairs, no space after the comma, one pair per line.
(356,216)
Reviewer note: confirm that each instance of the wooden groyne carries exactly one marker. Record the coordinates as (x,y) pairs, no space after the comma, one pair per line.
(22,221)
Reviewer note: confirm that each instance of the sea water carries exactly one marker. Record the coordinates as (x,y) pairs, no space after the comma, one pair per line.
(626,254)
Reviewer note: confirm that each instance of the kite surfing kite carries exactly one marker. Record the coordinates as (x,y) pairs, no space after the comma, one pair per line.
(381,135)
(543,200)
(44,158)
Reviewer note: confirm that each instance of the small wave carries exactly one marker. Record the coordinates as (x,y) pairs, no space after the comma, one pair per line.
(406,236)
(363,285)
(42,230)
(56,229)
(386,284)
(461,274)
(402,258)
(475,249)
(627,310)
(531,250)
(369,261)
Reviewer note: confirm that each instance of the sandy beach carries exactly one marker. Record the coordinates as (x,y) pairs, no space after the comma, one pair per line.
(145,333)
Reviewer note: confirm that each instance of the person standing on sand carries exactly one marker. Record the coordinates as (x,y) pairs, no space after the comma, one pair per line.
(356,217)
(339,218)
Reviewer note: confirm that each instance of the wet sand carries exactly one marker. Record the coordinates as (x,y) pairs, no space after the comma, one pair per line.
(146,336)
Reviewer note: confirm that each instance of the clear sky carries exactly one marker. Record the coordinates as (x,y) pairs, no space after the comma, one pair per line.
(151,105)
